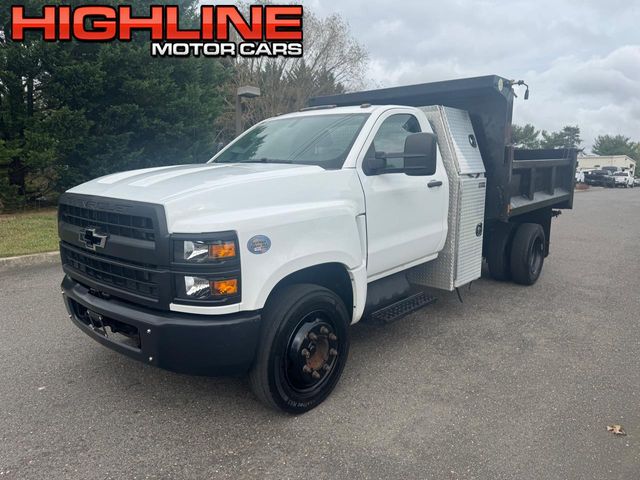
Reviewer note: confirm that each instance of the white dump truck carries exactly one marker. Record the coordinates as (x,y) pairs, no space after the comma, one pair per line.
(258,261)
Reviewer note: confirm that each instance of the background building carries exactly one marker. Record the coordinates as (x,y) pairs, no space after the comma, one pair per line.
(590,162)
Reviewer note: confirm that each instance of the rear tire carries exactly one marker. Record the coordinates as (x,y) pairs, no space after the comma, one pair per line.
(303,348)
(498,251)
(527,253)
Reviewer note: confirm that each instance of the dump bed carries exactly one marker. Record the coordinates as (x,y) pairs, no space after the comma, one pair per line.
(518,181)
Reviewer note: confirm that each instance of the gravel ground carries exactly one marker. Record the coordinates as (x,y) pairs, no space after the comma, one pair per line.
(516,383)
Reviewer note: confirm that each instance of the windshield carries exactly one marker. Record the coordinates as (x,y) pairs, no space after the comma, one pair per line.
(322,140)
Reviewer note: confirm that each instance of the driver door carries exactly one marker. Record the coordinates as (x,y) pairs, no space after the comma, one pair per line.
(406,215)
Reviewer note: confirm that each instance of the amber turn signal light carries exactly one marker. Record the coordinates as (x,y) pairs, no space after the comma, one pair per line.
(222,250)
(224,287)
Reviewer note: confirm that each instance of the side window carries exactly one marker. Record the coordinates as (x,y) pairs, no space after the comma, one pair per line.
(391,136)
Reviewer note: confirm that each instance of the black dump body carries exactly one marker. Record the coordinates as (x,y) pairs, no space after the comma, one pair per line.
(518,181)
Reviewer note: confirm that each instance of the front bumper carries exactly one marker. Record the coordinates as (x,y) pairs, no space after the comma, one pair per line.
(185,343)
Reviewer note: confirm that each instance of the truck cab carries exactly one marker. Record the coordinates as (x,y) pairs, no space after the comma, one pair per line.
(258,261)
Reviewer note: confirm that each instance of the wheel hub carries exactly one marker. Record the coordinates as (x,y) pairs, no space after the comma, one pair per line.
(312,353)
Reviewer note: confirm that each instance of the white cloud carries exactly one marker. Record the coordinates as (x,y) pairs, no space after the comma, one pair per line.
(601,94)
(581,57)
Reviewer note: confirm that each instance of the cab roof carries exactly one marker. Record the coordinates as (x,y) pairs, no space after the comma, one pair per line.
(333,110)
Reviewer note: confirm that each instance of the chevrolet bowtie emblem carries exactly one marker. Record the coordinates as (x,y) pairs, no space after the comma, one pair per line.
(91,239)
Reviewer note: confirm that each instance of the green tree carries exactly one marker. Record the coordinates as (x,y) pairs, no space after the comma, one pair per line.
(74,111)
(616,145)
(568,137)
(20,101)
(525,137)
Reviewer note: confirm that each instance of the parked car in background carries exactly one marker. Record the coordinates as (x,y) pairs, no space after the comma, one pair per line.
(596,178)
(609,181)
(623,179)
(636,182)
(611,169)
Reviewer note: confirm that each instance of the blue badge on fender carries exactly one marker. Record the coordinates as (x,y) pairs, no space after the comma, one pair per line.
(259,244)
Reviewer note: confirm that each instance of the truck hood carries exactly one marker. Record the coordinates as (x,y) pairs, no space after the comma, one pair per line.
(162,184)
(213,197)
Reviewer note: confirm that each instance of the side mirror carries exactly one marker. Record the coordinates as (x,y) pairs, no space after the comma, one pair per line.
(420,154)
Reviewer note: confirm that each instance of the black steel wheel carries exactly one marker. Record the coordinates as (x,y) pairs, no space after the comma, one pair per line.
(527,253)
(303,348)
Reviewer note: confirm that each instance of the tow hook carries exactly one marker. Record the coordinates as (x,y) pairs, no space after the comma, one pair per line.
(97,323)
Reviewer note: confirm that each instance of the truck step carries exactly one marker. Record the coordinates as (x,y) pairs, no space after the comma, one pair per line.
(401,308)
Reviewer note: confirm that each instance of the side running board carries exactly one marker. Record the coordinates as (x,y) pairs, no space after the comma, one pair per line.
(401,308)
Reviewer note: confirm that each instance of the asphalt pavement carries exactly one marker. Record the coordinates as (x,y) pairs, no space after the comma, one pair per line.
(515,383)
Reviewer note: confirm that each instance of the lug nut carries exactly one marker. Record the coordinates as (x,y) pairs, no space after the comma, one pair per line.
(332,337)
(315,375)
(305,353)
(306,369)
(312,336)
(324,330)
(333,352)
(326,367)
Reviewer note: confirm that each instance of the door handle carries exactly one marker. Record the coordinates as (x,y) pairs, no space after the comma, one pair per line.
(434,183)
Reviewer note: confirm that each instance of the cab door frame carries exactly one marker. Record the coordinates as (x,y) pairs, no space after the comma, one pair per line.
(407,242)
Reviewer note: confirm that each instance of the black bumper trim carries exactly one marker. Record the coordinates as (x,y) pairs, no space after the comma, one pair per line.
(184,343)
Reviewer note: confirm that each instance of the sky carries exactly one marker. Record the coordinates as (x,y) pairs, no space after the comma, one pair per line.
(580,58)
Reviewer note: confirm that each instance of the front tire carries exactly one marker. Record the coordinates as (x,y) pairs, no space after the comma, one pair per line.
(303,348)
(527,253)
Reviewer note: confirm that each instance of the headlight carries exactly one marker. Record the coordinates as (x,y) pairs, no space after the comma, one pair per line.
(206,268)
(205,251)
(198,288)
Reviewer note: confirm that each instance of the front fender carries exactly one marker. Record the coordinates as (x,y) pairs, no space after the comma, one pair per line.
(296,245)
